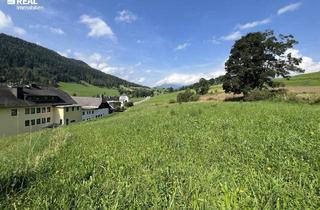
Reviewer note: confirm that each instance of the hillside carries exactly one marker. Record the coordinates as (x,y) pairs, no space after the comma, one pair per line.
(170,156)
(311,79)
(25,61)
(85,89)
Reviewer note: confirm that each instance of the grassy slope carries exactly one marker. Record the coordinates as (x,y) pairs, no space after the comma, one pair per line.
(86,90)
(312,79)
(210,155)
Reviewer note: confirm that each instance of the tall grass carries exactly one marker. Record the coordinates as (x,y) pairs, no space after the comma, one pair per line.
(234,155)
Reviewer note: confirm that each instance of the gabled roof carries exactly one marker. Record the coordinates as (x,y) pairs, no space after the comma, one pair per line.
(8,99)
(88,102)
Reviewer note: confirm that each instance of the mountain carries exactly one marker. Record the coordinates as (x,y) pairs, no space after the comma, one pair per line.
(174,86)
(22,61)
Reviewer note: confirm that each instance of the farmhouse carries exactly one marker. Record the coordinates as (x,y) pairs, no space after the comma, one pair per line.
(93,108)
(30,108)
(123,99)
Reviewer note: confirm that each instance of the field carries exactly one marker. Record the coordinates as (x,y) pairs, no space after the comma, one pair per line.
(303,80)
(212,155)
(86,89)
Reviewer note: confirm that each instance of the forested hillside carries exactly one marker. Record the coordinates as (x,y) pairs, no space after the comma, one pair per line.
(28,62)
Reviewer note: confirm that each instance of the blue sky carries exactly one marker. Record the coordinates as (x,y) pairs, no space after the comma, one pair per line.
(159,42)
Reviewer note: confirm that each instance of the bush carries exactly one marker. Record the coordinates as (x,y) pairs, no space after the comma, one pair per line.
(172,101)
(257,95)
(128,104)
(187,96)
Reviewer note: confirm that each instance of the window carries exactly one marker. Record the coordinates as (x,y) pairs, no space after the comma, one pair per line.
(60,122)
(83,113)
(48,120)
(38,121)
(27,123)
(14,112)
(48,109)
(27,111)
(33,110)
(72,108)
(67,121)
(38,110)
(67,110)
(33,122)
(78,108)
(43,109)
(43,120)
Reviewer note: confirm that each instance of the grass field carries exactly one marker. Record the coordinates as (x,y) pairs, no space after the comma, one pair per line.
(86,89)
(303,80)
(213,155)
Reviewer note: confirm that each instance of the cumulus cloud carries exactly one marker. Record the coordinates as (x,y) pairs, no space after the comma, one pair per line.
(308,64)
(125,16)
(253,24)
(233,36)
(182,79)
(289,8)
(182,46)
(6,23)
(98,27)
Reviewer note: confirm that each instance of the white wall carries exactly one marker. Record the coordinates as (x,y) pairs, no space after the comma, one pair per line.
(90,114)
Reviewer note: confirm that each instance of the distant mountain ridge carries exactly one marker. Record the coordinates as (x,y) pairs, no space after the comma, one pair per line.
(22,61)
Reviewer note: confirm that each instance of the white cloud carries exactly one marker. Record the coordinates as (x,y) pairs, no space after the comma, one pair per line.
(125,16)
(213,40)
(139,41)
(308,64)
(233,36)
(182,79)
(98,27)
(253,24)
(289,8)
(54,30)
(141,79)
(182,46)
(57,30)
(7,23)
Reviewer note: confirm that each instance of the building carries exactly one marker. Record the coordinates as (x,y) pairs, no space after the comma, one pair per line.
(31,108)
(93,108)
(123,99)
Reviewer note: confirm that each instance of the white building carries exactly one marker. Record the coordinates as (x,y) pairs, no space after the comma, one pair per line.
(93,108)
(123,99)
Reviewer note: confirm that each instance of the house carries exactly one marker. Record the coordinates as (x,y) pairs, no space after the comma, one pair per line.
(30,108)
(123,99)
(93,108)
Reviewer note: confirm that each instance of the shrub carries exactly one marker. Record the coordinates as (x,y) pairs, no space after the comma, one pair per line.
(187,96)
(128,104)
(172,101)
(256,95)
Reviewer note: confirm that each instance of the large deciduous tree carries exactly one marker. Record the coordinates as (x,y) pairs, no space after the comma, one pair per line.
(256,59)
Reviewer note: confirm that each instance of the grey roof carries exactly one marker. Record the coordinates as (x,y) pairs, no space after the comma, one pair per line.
(88,102)
(8,99)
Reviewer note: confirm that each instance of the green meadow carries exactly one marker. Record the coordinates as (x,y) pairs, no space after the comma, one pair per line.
(86,89)
(311,79)
(212,155)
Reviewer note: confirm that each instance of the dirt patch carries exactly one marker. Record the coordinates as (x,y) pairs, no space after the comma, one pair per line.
(220,97)
(311,89)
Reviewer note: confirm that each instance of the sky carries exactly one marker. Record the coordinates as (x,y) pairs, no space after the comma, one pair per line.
(161,42)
